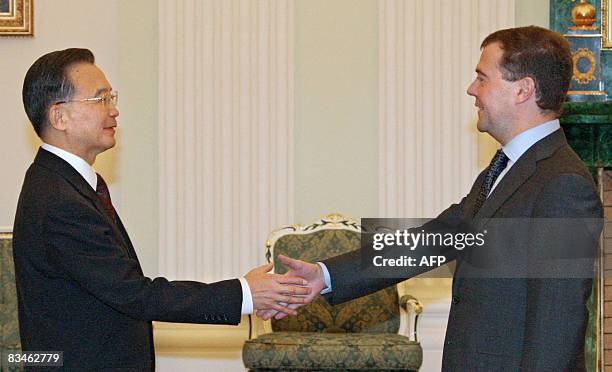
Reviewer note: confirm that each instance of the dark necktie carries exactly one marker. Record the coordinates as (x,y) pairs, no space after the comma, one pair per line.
(499,162)
(104,195)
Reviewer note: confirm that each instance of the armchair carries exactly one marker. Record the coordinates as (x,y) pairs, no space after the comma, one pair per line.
(375,332)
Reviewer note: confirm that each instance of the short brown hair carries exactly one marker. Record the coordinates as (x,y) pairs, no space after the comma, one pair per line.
(541,54)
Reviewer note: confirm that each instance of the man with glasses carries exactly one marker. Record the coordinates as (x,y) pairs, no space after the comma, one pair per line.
(80,287)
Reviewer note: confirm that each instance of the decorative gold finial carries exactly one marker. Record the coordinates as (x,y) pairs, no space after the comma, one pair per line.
(583,16)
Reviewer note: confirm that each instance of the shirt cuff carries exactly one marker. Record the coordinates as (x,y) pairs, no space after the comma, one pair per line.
(326,277)
(247,298)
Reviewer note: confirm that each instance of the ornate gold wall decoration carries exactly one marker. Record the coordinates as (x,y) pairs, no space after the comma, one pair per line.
(584,77)
(583,16)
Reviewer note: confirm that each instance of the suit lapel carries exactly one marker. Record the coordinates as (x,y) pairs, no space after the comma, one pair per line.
(60,166)
(520,172)
(471,197)
(127,241)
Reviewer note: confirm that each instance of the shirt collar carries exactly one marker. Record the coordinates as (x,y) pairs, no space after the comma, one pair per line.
(80,165)
(523,141)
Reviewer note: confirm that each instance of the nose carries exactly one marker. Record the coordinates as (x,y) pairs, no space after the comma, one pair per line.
(113,111)
(471,90)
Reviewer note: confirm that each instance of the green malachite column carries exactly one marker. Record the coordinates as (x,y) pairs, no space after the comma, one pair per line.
(588,127)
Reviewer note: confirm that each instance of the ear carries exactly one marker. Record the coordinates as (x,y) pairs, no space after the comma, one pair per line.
(525,89)
(57,117)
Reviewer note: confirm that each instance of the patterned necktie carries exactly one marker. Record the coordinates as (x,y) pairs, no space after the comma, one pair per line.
(499,162)
(104,195)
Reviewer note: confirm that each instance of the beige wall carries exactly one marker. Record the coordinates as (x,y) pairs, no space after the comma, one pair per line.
(336,102)
(138,168)
(336,80)
(532,12)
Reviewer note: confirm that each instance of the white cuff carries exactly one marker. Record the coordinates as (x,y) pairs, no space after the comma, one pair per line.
(247,298)
(326,277)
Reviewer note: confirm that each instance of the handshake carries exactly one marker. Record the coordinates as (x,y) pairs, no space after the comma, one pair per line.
(277,295)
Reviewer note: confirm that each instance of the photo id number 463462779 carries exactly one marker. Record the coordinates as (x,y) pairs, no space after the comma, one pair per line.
(33,359)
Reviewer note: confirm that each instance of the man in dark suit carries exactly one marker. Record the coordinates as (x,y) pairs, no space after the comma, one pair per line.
(80,287)
(523,319)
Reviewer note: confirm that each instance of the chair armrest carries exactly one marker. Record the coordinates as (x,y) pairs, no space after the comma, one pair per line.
(258,327)
(410,309)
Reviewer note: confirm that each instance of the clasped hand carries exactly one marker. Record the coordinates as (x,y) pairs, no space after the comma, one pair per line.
(274,292)
(314,283)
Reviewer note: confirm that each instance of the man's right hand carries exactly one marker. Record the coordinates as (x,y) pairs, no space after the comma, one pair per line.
(274,292)
(309,271)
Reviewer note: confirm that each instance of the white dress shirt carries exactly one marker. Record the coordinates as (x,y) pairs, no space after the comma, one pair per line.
(513,150)
(523,142)
(88,173)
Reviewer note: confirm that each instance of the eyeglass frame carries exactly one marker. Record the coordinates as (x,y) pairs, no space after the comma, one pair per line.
(111,98)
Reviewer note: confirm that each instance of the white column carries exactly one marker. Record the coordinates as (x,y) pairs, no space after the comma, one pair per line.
(226,133)
(429,146)
(430,151)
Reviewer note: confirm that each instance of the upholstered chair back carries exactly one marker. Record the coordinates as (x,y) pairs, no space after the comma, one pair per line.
(376,313)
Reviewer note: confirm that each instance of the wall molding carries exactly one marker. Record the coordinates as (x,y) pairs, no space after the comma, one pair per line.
(430,151)
(226,133)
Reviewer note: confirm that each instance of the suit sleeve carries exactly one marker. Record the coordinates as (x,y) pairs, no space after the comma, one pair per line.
(556,313)
(349,280)
(86,249)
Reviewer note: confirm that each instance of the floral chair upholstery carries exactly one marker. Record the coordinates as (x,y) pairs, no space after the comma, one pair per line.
(361,334)
(9,324)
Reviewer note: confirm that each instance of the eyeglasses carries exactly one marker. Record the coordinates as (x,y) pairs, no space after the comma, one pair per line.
(111,98)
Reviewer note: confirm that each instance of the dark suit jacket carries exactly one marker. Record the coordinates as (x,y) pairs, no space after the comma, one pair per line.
(80,287)
(514,323)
